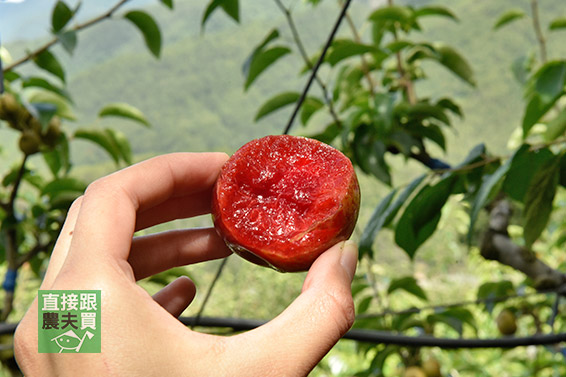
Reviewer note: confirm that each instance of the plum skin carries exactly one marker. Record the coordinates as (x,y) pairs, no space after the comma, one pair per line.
(328,219)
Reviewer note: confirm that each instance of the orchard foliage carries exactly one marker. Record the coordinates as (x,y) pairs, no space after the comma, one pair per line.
(375,112)
(36,105)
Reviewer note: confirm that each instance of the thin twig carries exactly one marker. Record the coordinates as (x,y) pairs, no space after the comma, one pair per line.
(209,292)
(317,66)
(304,55)
(365,65)
(538,31)
(33,54)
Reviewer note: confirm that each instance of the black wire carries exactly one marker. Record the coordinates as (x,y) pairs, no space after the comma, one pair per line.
(386,337)
(316,67)
(209,292)
(370,336)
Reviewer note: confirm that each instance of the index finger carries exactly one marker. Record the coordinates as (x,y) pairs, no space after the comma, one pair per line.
(107,218)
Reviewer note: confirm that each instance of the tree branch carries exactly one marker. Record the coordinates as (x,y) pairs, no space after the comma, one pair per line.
(33,54)
(497,245)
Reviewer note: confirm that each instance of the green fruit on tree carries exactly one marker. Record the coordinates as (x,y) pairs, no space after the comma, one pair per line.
(8,106)
(29,142)
(51,135)
(506,322)
(414,371)
(431,367)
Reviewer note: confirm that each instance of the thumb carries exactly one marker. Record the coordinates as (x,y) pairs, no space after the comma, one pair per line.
(324,311)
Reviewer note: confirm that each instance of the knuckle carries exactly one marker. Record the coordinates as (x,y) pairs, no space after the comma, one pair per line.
(339,306)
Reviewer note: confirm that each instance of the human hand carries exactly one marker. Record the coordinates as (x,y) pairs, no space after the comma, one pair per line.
(141,335)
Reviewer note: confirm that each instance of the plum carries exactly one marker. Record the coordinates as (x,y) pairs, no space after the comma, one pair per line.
(280,201)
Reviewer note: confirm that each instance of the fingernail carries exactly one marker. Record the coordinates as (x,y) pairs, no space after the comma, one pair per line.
(349,258)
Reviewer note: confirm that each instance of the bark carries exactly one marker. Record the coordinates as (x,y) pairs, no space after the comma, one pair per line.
(497,245)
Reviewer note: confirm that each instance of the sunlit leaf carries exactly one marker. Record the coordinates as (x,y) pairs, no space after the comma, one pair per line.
(64,185)
(124,110)
(102,139)
(558,23)
(508,17)
(455,62)
(435,11)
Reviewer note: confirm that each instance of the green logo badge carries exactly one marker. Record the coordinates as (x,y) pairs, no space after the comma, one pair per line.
(69,321)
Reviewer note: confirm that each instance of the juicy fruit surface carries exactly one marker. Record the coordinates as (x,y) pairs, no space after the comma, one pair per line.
(285,199)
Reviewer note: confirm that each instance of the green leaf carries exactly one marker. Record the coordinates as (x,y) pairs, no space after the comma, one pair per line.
(41,96)
(261,61)
(273,34)
(489,291)
(422,215)
(408,284)
(363,305)
(48,62)
(508,17)
(539,199)
(535,110)
(556,127)
(423,110)
(395,13)
(276,103)
(230,7)
(346,48)
(103,139)
(455,318)
(328,134)
(68,40)
(64,185)
(122,144)
(487,191)
(124,110)
(61,16)
(455,62)
(369,154)
(39,82)
(58,158)
(449,104)
(558,23)
(167,3)
(384,214)
(149,29)
(524,165)
(550,80)
(435,11)
(374,225)
(310,106)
